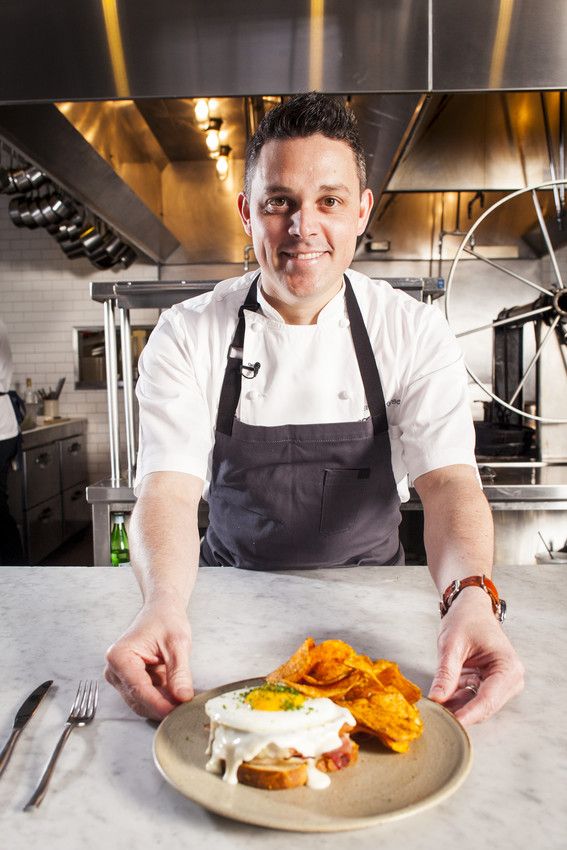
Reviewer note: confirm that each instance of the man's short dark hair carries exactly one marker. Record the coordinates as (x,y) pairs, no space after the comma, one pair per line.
(302,116)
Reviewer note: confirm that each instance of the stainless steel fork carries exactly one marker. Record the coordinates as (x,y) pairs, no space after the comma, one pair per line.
(82,712)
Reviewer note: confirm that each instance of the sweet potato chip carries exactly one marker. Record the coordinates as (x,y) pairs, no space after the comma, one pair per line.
(312,680)
(391,676)
(388,715)
(364,689)
(328,660)
(295,666)
(332,691)
(376,693)
(363,663)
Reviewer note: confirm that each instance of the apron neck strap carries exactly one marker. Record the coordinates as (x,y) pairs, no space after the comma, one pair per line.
(366,362)
(232,382)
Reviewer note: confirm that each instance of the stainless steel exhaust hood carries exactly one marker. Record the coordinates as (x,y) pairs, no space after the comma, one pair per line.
(143,166)
(102,99)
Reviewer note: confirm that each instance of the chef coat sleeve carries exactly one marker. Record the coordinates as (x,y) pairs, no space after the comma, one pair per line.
(175,433)
(435,413)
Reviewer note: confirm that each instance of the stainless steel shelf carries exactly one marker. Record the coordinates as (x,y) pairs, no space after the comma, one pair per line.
(527,484)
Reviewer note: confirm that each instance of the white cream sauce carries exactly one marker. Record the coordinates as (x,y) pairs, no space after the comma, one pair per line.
(231,747)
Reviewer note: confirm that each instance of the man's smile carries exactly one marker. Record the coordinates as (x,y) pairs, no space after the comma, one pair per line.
(311,255)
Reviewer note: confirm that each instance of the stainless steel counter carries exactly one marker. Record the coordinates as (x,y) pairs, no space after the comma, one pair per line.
(526,500)
(534,482)
(518,486)
(57,430)
(537,491)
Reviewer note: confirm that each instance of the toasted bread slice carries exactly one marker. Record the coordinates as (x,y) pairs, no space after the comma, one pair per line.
(273,777)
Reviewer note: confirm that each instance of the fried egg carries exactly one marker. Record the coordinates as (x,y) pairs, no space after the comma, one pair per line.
(272,721)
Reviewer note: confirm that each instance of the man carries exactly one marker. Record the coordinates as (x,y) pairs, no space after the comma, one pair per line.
(10,544)
(297,400)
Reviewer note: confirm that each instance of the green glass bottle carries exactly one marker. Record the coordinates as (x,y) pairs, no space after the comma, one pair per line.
(119,548)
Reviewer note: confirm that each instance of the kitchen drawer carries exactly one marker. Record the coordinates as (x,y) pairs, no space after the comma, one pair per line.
(44,529)
(42,475)
(15,491)
(76,512)
(73,452)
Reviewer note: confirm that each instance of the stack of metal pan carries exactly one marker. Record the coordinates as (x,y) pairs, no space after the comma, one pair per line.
(37,203)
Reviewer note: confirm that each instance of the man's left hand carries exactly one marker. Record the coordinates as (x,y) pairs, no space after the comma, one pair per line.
(475,655)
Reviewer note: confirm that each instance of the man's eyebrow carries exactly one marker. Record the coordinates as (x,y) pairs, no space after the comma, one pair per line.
(277,188)
(337,187)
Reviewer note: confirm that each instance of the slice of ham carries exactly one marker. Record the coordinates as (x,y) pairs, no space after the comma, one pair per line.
(337,759)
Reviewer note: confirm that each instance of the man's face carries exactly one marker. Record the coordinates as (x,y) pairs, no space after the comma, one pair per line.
(304,213)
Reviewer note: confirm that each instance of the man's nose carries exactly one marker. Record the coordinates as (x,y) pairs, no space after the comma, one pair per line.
(304,223)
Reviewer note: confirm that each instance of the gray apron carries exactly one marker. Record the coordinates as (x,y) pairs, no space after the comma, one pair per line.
(302,495)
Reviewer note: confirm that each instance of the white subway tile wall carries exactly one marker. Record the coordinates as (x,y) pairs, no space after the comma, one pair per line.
(43,296)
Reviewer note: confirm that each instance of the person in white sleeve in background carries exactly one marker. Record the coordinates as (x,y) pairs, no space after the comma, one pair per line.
(297,400)
(10,543)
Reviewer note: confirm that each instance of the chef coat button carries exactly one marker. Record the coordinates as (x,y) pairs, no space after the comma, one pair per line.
(255,326)
(344,323)
(254,395)
(344,395)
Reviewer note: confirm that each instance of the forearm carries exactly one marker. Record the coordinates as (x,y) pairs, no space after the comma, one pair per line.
(164,537)
(458,530)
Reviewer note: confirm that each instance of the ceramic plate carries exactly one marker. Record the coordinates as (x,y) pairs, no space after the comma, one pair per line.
(382,786)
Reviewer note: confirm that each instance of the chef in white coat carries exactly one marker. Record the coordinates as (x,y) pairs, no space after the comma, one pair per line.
(297,400)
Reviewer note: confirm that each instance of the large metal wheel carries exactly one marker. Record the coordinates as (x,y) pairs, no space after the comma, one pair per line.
(548,312)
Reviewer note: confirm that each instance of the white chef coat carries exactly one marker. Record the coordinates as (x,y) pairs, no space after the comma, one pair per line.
(308,374)
(8,421)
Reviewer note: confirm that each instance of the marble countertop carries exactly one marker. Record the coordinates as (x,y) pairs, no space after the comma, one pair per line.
(56,622)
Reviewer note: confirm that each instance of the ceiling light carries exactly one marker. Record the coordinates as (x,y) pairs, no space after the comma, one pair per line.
(222,162)
(202,112)
(212,135)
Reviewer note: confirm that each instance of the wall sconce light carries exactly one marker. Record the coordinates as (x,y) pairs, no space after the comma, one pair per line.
(202,113)
(222,162)
(212,135)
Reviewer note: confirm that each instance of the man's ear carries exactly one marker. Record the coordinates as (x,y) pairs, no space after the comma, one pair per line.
(366,202)
(244,210)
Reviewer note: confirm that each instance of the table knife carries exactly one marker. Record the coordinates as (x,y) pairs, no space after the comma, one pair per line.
(24,714)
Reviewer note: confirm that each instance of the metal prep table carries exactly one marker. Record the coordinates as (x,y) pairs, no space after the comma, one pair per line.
(525,498)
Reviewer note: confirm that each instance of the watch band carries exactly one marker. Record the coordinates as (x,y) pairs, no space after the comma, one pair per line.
(451,593)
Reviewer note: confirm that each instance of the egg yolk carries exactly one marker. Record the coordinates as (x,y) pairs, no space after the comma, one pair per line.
(274,699)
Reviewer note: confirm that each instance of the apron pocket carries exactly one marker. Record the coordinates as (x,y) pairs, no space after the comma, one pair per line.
(344,492)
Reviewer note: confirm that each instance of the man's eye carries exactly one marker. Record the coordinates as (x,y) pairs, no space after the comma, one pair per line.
(330,202)
(278,203)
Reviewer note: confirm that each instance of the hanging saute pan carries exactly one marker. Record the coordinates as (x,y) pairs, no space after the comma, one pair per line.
(14,212)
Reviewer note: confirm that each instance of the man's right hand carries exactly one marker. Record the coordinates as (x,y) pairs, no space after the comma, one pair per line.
(149,664)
